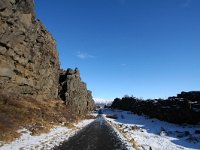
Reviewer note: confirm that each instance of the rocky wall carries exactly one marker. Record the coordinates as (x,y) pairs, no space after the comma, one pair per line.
(29,60)
(74,92)
(183,108)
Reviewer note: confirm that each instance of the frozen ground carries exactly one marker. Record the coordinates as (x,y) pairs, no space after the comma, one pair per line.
(155,134)
(44,141)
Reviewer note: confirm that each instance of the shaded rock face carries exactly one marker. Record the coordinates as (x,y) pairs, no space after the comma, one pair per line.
(29,64)
(74,92)
(183,108)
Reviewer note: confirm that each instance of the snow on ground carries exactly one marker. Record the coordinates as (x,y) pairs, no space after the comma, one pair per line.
(47,141)
(155,134)
(121,137)
(95,114)
(103,101)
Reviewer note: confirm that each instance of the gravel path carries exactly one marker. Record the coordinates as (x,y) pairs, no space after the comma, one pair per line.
(99,135)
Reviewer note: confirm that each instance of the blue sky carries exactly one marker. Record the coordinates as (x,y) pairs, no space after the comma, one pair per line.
(145,48)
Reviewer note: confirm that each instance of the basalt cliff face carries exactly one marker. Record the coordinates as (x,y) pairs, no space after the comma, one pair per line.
(74,92)
(29,62)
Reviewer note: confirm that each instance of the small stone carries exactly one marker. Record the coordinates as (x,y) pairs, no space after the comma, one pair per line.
(6,13)
(2,50)
(4,4)
(12,1)
(6,72)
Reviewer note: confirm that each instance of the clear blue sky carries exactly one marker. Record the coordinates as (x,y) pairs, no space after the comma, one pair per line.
(145,48)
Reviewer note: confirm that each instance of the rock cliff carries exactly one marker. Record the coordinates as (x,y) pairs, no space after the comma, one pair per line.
(28,57)
(29,62)
(74,92)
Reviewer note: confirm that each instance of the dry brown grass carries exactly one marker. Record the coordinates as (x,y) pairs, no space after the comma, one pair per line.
(37,116)
(88,117)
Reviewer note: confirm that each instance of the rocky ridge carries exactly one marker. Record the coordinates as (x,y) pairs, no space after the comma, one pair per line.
(183,108)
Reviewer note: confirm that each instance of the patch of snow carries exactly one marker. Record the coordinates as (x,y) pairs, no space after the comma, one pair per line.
(155,134)
(122,138)
(102,101)
(95,114)
(46,141)
(195,102)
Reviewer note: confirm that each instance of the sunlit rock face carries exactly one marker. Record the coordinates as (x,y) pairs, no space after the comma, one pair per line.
(74,92)
(29,63)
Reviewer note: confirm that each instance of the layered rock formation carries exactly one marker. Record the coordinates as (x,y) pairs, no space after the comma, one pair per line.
(74,92)
(183,108)
(29,61)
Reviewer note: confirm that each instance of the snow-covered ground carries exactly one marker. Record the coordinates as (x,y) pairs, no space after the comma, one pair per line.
(155,134)
(102,101)
(44,141)
(122,138)
(144,132)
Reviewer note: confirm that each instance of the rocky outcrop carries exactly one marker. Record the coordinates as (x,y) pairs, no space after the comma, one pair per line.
(183,108)
(74,92)
(29,61)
